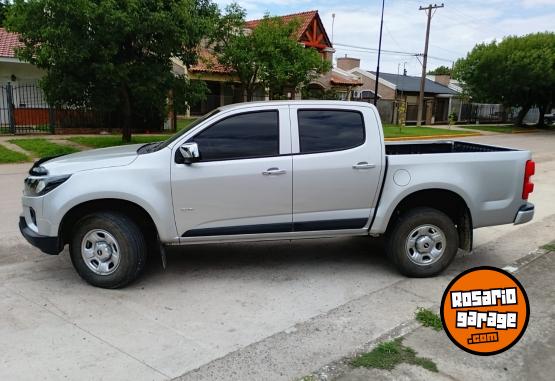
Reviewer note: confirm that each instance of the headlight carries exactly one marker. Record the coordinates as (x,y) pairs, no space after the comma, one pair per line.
(39,186)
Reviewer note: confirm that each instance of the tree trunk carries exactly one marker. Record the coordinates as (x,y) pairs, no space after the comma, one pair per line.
(250,92)
(126,104)
(543,108)
(521,114)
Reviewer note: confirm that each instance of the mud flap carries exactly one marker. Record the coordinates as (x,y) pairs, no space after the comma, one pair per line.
(162,251)
(466,233)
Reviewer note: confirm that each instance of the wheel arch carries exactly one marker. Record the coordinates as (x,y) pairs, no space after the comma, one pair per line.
(128,208)
(446,201)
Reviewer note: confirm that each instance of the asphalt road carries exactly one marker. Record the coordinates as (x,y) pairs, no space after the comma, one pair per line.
(228,311)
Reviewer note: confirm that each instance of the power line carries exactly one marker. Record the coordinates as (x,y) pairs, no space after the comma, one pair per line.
(374,49)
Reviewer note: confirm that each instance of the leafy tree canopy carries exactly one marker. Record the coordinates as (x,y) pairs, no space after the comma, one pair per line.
(440,70)
(268,55)
(4,5)
(110,55)
(517,71)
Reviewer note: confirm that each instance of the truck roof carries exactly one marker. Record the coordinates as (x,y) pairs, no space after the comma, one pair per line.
(314,102)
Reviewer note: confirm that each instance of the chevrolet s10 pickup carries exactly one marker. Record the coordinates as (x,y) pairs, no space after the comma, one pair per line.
(278,170)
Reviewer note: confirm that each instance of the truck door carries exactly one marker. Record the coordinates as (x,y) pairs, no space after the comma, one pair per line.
(243,181)
(337,164)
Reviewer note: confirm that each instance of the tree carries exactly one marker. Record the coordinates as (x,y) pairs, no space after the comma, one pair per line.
(267,56)
(188,92)
(236,49)
(517,72)
(112,56)
(440,70)
(4,6)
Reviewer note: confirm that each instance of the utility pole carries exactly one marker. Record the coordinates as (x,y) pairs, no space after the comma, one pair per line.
(379,54)
(428,10)
(332,24)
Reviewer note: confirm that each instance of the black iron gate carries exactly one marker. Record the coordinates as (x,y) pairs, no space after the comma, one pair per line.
(23,109)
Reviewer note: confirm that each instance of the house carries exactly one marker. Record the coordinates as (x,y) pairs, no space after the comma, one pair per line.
(18,87)
(11,68)
(441,97)
(225,89)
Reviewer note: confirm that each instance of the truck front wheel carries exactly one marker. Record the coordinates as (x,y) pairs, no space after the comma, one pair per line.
(423,242)
(107,249)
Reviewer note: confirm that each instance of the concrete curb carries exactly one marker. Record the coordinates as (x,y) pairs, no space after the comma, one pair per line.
(525,132)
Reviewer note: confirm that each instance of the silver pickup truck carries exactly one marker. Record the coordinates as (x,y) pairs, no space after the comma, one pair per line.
(272,171)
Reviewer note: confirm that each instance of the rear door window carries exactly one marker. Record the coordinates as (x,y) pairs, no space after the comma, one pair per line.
(329,130)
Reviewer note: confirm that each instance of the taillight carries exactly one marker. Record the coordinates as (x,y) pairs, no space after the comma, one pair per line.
(528,186)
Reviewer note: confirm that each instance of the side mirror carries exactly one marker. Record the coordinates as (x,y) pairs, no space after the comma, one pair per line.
(190,153)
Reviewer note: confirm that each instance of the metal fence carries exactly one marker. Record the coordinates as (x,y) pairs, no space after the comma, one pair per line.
(24,110)
(495,113)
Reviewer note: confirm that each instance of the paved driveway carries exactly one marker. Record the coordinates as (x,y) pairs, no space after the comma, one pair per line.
(233,311)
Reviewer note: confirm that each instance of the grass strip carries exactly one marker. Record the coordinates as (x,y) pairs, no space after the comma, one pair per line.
(9,156)
(41,147)
(391,131)
(389,354)
(428,318)
(113,140)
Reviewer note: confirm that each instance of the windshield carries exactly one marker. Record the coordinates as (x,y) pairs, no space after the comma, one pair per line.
(167,142)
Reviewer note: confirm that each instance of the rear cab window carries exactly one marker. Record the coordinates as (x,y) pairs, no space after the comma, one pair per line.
(326,130)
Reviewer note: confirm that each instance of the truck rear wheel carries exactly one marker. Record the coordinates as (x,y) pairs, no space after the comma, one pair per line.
(423,242)
(108,249)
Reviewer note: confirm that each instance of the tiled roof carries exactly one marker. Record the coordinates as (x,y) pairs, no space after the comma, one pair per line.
(304,17)
(208,63)
(412,84)
(337,79)
(8,41)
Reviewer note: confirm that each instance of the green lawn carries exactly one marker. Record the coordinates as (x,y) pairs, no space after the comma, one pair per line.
(9,156)
(42,147)
(114,140)
(103,141)
(184,123)
(392,131)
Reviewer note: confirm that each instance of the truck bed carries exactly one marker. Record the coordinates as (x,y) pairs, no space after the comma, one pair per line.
(439,147)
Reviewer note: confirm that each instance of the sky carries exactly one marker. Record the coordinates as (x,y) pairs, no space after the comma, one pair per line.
(455,29)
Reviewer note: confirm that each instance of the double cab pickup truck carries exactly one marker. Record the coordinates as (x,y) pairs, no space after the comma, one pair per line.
(278,170)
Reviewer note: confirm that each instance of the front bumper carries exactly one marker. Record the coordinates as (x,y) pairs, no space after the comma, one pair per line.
(524,214)
(48,245)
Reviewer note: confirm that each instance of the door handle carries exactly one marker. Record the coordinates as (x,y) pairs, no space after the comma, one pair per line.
(274,171)
(363,165)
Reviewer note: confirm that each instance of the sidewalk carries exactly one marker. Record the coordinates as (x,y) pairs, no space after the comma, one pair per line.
(532,358)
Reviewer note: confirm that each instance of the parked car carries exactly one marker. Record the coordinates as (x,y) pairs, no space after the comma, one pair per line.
(272,171)
(549,118)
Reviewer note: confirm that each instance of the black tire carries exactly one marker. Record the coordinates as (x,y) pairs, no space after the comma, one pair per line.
(131,243)
(404,225)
